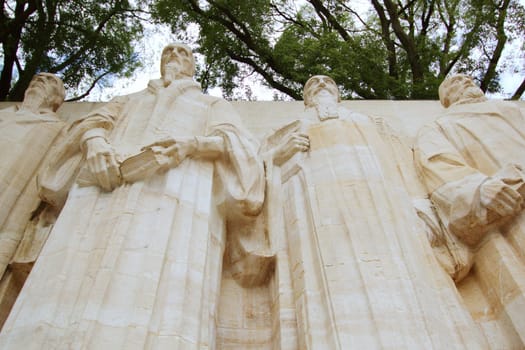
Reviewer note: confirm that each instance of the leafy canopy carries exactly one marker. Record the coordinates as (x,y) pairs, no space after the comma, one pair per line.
(389,50)
(82,41)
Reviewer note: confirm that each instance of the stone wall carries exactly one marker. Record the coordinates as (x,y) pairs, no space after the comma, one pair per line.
(261,117)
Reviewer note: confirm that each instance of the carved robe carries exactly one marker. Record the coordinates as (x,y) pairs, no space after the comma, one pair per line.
(459,152)
(140,267)
(362,274)
(25,140)
(456,154)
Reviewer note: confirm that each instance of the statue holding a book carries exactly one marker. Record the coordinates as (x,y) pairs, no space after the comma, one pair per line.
(136,254)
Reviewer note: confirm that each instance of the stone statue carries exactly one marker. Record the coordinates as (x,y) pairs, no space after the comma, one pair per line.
(26,136)
(361,272)
(471,160)
(134,259)
(454,256)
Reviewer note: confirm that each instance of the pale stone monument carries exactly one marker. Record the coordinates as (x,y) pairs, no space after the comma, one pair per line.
(361,273)
(471,160)
(27,133)
(179,220)
(134,260)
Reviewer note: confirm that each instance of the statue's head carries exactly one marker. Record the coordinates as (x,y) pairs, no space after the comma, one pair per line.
(320,87)
(177,62)
(457,88)
(47,89)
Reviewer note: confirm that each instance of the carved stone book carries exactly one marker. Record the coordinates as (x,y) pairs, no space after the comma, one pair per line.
(144,164)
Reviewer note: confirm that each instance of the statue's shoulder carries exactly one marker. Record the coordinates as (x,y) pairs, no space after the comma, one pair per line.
(213,100)
(347,114)
(487,107)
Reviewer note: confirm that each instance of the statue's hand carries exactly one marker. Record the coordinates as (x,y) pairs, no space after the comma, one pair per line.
(165,142)
(500,197)
(177,149)
(296,142)
(183,148)
(102,163)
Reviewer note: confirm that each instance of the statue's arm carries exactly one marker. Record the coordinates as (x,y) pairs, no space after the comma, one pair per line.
(213,144)
(210,146)
(284,143)
(94,129)
(468,201)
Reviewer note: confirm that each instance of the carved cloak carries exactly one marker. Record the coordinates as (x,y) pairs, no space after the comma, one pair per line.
(361,272)
(456,154)
(140,267)
(25,139)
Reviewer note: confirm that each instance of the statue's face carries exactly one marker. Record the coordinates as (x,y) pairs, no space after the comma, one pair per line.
(177,61)
(320,88)
(458,87)
(47,88)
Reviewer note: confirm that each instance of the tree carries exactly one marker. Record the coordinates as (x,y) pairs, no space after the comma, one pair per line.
(394,49)
(79,40)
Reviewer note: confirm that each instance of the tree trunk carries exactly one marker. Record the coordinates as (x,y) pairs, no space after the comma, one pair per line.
(519,91)
(502,40)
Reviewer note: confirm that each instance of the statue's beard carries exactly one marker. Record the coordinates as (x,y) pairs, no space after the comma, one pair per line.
(326,110)
(325,104)
(172,71)
(473,92)
(34,98)
(170,75)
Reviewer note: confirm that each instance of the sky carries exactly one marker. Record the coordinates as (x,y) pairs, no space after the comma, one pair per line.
(156,37)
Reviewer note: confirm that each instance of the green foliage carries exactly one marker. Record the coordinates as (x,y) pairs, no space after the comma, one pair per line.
(79,40)
(396,50)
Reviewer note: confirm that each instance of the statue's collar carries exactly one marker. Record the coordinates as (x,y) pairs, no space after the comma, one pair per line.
(177,86)
(26,116)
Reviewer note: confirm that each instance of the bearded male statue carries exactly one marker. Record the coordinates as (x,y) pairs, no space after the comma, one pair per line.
(352,261)
(26,136)
(472,161)
(134,260)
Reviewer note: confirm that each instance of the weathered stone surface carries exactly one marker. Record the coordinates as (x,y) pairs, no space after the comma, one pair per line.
(471,160)
(168,237)
(27,133)
(137,263)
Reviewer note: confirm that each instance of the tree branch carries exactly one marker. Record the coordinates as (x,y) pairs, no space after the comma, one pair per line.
(264,53)
(89,42)
(321,9)
(88,91)
(267,76)
(358,16)
(10,35)
(387,40)
(501,36)
(290,19)
(519,91)
(408,44)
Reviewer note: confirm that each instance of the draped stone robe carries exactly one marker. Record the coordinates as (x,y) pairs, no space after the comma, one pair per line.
(25,140)
(362,274)
(140,267)
(457,154)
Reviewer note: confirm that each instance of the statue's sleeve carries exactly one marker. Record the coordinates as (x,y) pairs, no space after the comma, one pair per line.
(240,169)
(104,118)
(453,186)
(241,174)
(56,178)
